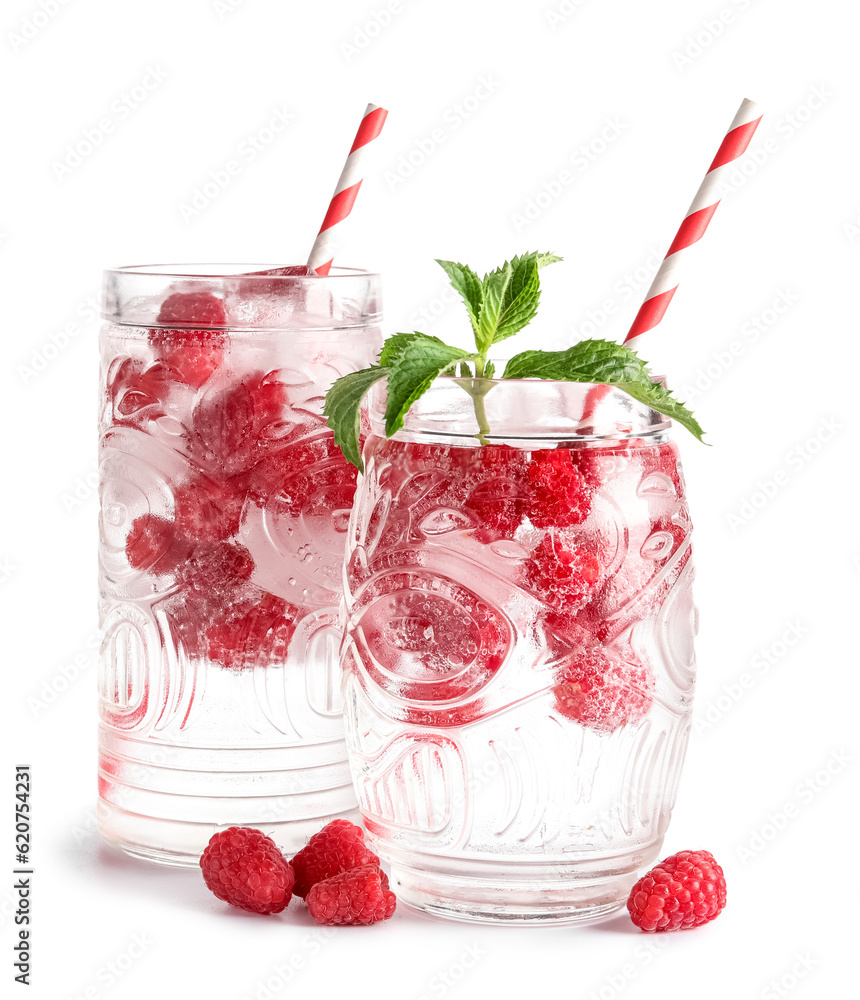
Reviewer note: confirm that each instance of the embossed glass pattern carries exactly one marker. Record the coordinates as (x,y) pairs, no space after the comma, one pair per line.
(518,665)
(224,508)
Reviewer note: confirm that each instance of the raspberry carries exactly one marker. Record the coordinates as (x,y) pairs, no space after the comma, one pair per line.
(244,868)
(311,464)
(603,692)
(356,896)
(152,545)
(252,634)
(338,847)
(208,511)
(192,354)
(232,427)
(200,309)
(215,568)
(563,574)
(500,501)
(589,619)
(687,889)
(559,496)
(269,477)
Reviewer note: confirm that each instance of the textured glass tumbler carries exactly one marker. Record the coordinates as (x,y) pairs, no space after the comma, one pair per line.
(518,664)
(224,508)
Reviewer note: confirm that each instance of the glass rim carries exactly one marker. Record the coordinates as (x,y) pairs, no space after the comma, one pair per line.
(245,271)
(535,381)
(529,409)
(347,298)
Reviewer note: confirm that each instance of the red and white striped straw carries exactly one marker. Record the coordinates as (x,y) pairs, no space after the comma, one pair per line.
(322,252)
(692,229)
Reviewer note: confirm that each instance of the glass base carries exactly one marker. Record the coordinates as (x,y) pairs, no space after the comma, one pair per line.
(180,844)
(163,801)
(559,891)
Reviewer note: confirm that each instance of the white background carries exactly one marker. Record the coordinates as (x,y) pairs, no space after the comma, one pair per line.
(535,83)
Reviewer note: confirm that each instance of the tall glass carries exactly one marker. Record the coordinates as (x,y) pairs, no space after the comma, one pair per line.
(518,664)
(224,508)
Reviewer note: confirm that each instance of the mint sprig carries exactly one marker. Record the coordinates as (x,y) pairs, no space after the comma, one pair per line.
(499,305)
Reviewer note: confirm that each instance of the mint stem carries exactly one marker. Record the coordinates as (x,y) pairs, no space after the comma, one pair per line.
(481,414)
(477,392)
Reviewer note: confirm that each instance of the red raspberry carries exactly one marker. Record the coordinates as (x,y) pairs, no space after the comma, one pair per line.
(338,847)
(500,500)
(201,309)
(563,574)
(216,568)
(603,692)
(245,868)
(269,477)
(152,545)
(559,496)
(206,511)
(312,464)
(255,634)
(356,896)
(688,889)
(192,354)
(233,427)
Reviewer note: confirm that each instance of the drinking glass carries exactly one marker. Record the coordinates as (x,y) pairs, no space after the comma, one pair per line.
(224,508)
(518,661)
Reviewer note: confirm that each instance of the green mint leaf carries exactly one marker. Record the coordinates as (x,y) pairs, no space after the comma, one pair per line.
(494,285)
(544,258)
(525,260)
(465,370)
(602,361)
(468,284)
(489,369)
(342,408)
(521,301)
(522,294)
(393,346)
(419,361)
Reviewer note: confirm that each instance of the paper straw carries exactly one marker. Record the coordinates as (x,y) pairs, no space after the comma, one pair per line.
(691,230)
(696,221)
(322,252)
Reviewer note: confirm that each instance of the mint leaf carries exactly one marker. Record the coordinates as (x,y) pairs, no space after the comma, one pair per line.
(521,301)
(468,284)
(489,370)
(541,259)
(494,285)
(604,362)
(393,346)
(419,360)
(544,258)
(342,408)
(522,294)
